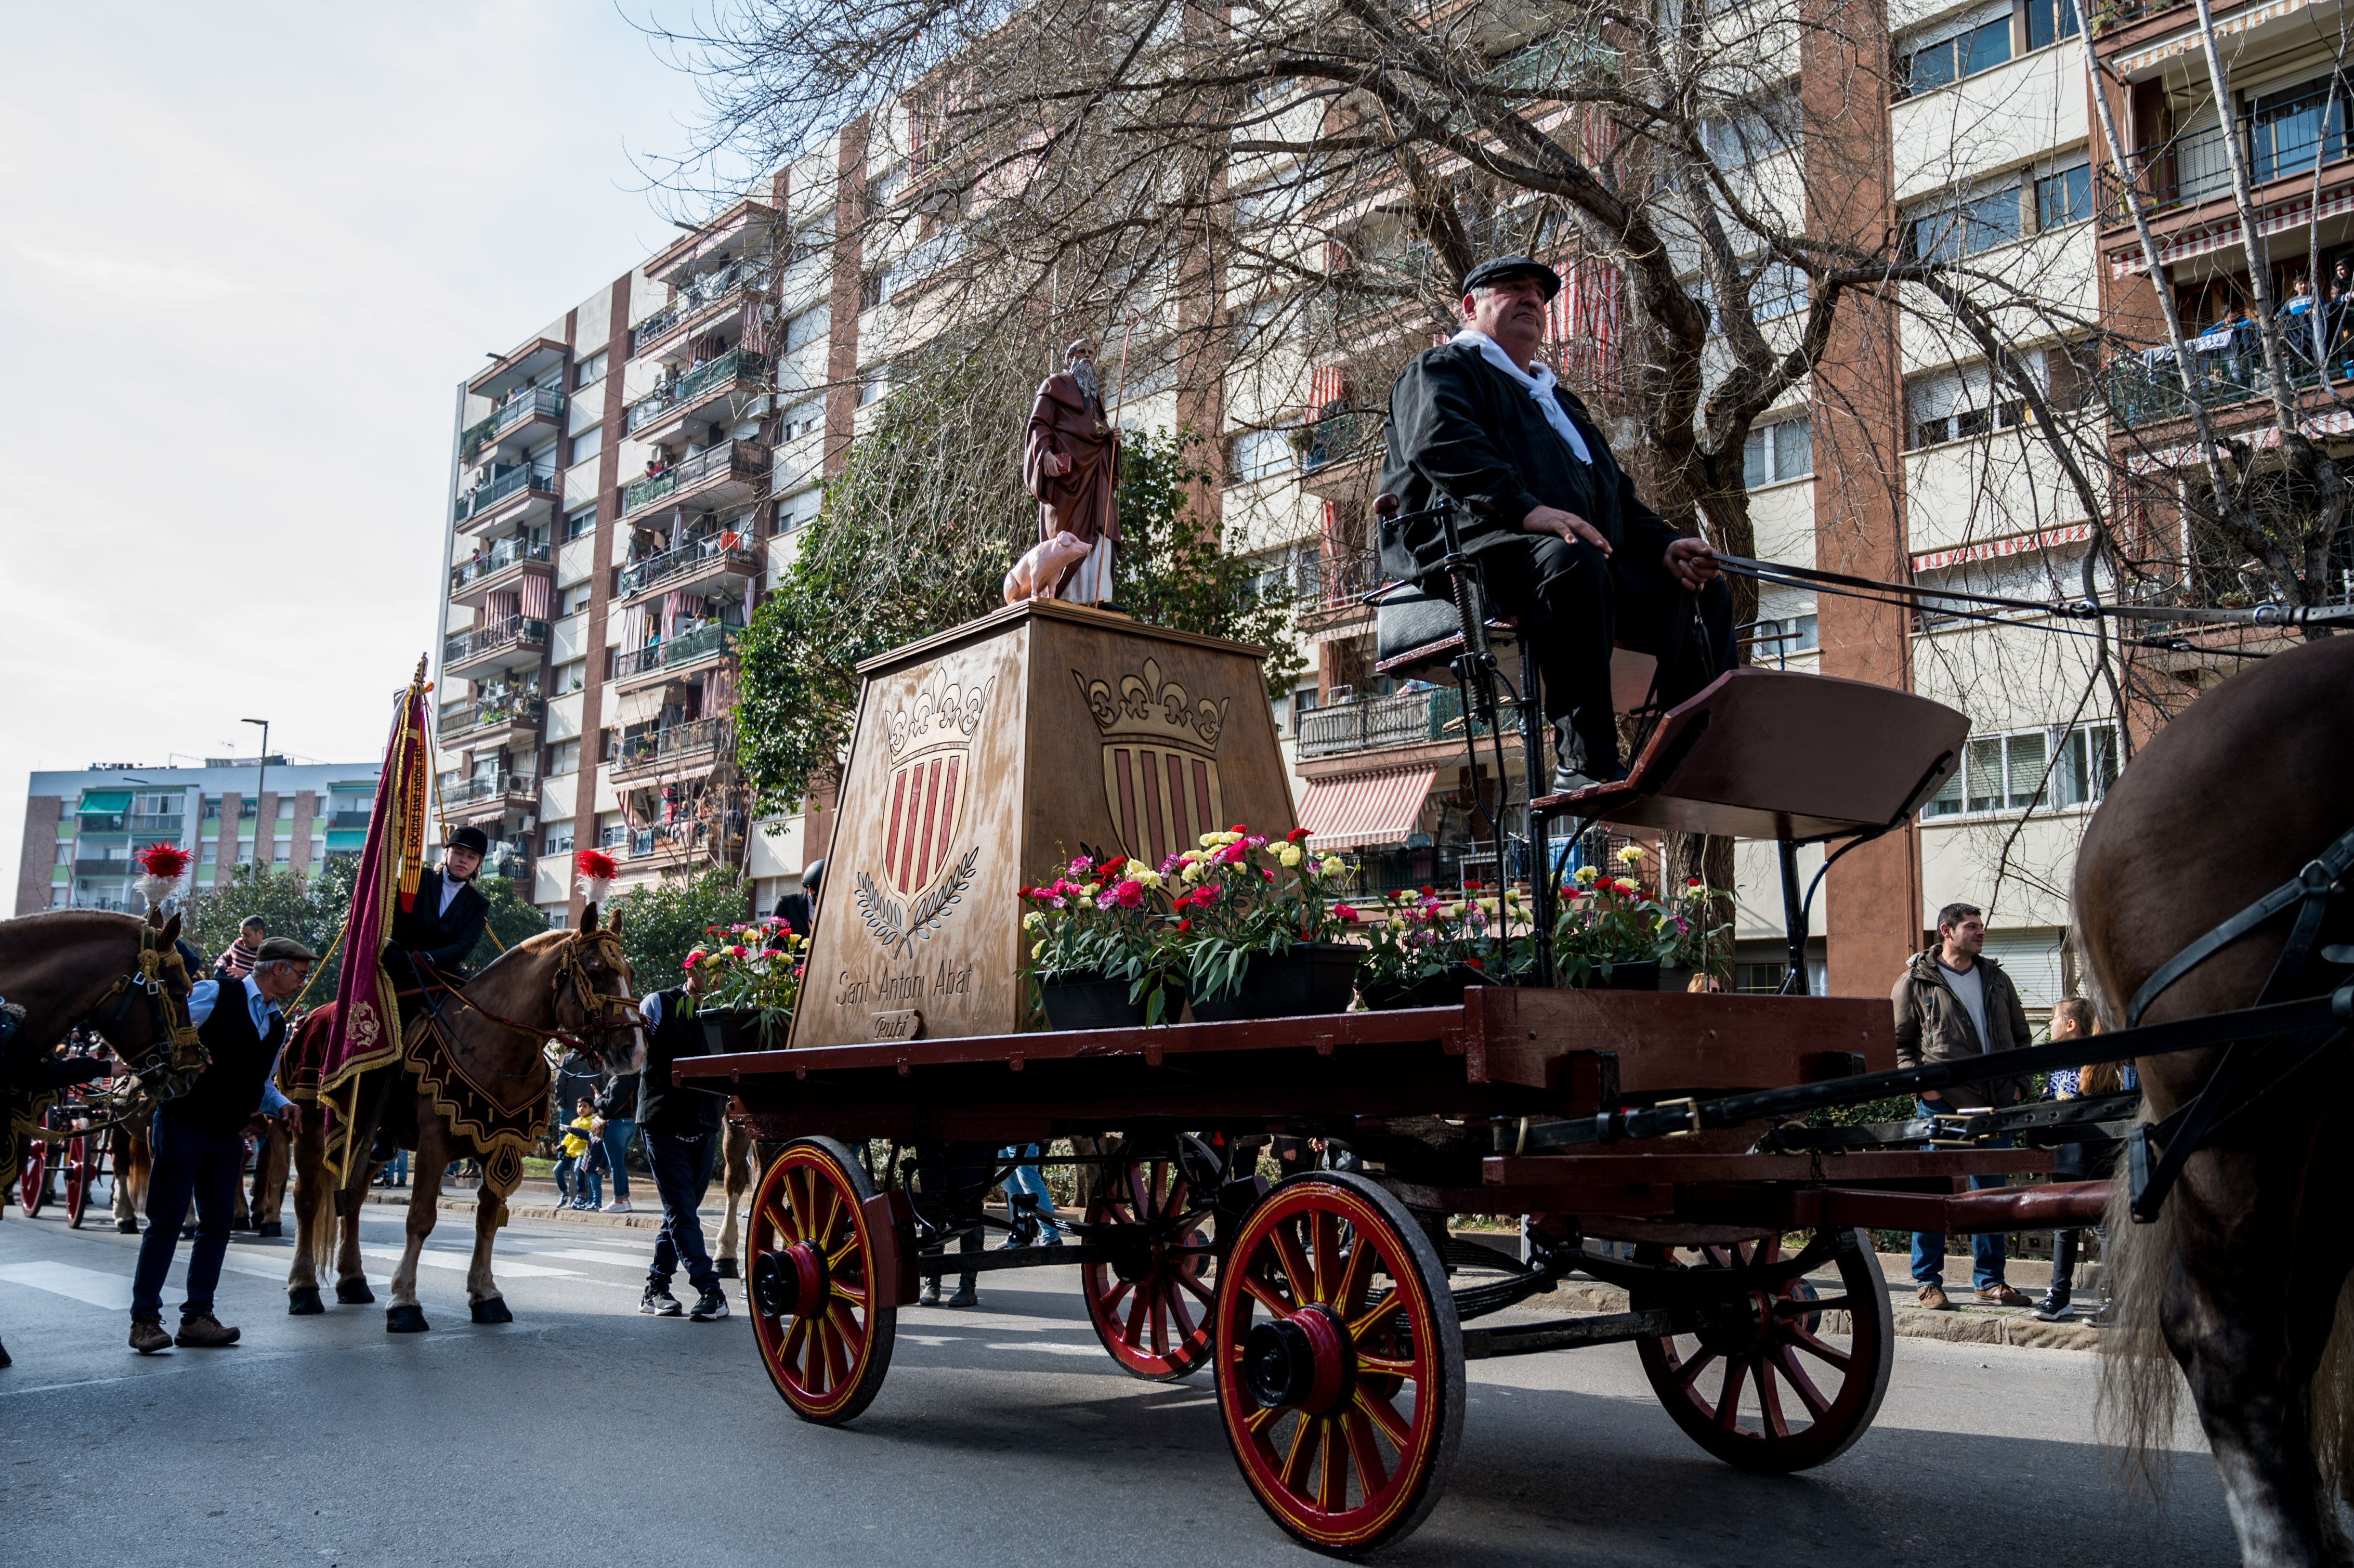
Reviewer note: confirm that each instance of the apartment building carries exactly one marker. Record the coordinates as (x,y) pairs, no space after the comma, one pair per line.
(81,829)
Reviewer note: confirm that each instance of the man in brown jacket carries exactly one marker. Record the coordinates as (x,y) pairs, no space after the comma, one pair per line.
(1952,1002)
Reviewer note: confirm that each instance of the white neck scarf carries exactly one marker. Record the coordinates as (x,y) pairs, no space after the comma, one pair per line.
(1538,385)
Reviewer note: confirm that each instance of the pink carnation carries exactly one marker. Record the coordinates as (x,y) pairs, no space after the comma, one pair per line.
(1343,912)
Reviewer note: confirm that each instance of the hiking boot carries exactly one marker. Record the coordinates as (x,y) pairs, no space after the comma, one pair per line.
(203,1331)
(1933,1298)
(966,1296)
(710,1305)
(658,1302)
(147,1336)
(2001,1295)
(931,1294)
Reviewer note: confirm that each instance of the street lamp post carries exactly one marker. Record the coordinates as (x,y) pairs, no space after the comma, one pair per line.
(261,783)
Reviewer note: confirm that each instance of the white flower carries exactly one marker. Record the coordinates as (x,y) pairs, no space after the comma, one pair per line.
(1333,865)
(1033,922)
(1629,854)
(1290,856)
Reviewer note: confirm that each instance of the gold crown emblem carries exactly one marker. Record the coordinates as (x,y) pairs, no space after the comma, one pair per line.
(944,710)
(1144,706)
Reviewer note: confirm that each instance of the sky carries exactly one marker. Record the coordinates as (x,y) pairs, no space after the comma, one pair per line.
(247,252)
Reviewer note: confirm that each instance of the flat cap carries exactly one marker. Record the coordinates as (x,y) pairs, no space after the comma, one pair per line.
(287,948)
(1505,267)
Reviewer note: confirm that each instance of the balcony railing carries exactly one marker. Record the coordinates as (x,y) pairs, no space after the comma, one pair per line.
(2195,166)
(738,460)
(684,648)
(1336,439)
(144,825)
(733,365)
(537,402)
(523,476)
(701,555)
(350,819)
(105,868)
(485,788)
(499,711)
(516,631)
(679,740)
(1408,718)
(672,839)
(496,559)
(2148,389)
(699,296)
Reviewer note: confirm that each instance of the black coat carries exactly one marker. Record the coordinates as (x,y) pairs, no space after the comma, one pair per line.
(673,1108)
(442,941)
(1461,430)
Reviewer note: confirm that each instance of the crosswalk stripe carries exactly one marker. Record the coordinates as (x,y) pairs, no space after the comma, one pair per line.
(581,1254)
(109,1290)
(462,1260)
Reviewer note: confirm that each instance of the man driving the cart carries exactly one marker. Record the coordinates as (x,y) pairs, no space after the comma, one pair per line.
(1564,544)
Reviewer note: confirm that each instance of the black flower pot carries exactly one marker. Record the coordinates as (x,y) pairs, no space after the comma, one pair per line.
(1310,976)
(1092,1001)
(1443,989)
(1644,976)
(727,1031)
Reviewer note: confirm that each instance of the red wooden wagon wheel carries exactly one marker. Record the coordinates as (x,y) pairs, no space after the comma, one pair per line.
(1150,1306)
(1340,1363)
(1759,1387)
(33,1176)
(822,1310)
(77,1173)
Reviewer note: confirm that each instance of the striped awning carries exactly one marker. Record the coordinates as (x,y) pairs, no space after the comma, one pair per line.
(1359,809)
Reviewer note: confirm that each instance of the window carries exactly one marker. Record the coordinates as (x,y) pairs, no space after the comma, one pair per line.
(799,510)
(877,384)
(1752,132)
(611,831)
(571,676)
(803,419)
(874,287)
(2047,767)
(580,524)
(2063,196)
(66,852)
(1963,227)
(576,599)
(212,808)
(1779,289)
(1950,59)
(2284,129)
(280,853)
(589,370)
(1778,451)
(806,328)
(564,757)
(588,444)
(1957,404)
(557,839)
(1260,454)
(2049,21)
(248,807)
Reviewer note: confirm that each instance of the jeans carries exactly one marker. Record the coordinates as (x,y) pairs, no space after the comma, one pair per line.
(188,1164)
(1985,1250)
(616,1148)
(1029,1179)
(681,1166)
(396,1170)
(565,1167)
(589,1183)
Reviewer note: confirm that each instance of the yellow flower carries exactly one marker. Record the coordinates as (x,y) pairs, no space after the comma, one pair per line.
(1586,875)
(1037,951)
(1034,921)
(1331,866)
(1488,906)
(1136,871)
(1193,870)
(1092,888)
(1211,841)
(1146,878)
(1289,855)
(1629,854)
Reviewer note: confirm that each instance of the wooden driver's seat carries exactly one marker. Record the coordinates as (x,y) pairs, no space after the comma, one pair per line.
(1770,754)
(1418,635)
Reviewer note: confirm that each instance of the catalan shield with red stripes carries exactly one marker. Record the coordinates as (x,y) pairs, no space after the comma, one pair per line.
(924,809)
(1163,798)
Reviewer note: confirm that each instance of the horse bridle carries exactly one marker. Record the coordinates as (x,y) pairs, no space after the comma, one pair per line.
(172,1060)
(603,1014)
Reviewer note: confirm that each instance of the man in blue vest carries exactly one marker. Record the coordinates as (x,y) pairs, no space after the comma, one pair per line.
(1566,545)
(199,1141)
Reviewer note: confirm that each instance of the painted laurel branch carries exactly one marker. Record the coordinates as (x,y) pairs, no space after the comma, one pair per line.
(882,916)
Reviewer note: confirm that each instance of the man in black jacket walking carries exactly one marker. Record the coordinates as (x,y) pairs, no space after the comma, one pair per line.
(1567,545)
(682,1126)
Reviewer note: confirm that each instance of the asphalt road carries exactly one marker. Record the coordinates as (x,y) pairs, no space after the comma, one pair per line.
(586,1432)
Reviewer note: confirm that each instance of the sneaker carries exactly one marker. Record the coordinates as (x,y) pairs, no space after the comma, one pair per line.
(2051,1311)
(203,1331)
(617,1206)
(1933,1297)
(966,1296)
(710,1305)
(658,1302)
(147,1336)
(2001,1295)
(1051,1239)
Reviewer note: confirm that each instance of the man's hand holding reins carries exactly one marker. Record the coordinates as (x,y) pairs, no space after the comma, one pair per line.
(1692,562)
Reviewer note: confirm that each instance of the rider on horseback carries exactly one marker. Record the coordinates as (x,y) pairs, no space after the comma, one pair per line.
(439,927)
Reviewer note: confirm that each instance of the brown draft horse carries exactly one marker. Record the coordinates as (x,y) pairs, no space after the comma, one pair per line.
(61,965)
(508,1014)
(2243,1278)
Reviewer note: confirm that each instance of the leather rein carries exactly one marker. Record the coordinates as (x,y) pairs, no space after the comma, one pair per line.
(608,1014)
(174,1058)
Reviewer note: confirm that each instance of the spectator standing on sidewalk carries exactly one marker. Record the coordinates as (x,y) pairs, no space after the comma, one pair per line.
(683,1130)
(2071,1019)
(569,1150)
(617,1114)
(1954,1002)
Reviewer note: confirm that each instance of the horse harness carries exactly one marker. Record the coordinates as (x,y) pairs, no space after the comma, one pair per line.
(2156,1151)
(174,1061)
(603,1014)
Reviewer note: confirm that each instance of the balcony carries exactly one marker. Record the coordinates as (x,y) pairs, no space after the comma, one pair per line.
(510,496)
(718,472)
(1338,438)
(151,828)
(1332,588)
(669,406)
(105,868)
(509,859)
(501,566)
(679,749)
(495,721)
(536,406)
(681,655)
(689,566)
(521,368)
(701,299)
(518,640)
(1406,719)
(352,819)
(670,845)
(2148,390)
(488,794)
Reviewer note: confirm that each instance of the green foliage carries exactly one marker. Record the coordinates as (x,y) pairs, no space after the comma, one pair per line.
(916,536)
(289,905)
(662,922)
(510,920)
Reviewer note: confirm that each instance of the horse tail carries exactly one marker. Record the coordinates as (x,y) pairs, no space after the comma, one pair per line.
(2141,1388)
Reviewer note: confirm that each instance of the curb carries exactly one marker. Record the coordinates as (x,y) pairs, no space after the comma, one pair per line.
(636,1220)
(1960,1326)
